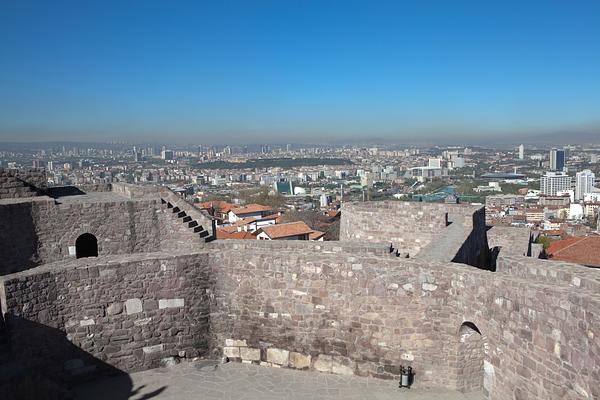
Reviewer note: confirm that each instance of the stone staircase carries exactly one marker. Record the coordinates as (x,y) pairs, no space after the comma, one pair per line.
(394,252)
(188,221)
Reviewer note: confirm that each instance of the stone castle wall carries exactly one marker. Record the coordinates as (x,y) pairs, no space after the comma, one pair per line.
(72,318)
(409,226)
(332,312)
(40,231)
(21,183)
(359,315)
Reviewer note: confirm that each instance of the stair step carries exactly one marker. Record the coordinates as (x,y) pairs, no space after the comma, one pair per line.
(204,234)
(198,228)
(163,201)
(187,218)
(209,239)
(176,209)
(181,214)
(193,224)
(169,205)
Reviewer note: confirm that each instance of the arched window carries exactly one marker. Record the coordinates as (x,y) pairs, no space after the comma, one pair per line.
(86,245)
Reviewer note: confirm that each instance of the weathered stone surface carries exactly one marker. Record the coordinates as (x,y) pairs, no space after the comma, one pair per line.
(153,349)
(248,353)
(235,342)
(323,363)
(231,352)
(170,303)
(299,361)
(278,356)
(133,306)
(342,366)
(114,309)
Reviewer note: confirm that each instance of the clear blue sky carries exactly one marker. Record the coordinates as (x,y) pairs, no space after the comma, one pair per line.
(296,70)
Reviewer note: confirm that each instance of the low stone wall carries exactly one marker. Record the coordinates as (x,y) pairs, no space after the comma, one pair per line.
(67,320)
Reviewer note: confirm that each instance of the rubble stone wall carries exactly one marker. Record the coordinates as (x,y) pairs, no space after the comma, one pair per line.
(40,231)
(410,226)
(69,319)
(332,312)
(360,315)
(21,183)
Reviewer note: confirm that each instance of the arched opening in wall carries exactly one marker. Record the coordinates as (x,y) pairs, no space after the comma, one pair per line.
(86,245)
(470,358)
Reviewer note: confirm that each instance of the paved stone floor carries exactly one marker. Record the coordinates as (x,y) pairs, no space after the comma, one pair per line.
(231,381)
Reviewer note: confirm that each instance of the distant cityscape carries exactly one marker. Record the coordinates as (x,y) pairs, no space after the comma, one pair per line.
(552,190)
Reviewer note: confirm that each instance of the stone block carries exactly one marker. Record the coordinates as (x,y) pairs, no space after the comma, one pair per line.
(114,309)
(323,363)
(278,356)
(133,306)
(153,349)
(170,303)
(87,322)
(235,343)
(143,321)
(299,360)
(233,352)
(169,362)
(430,287)
(342,366)
(249,353)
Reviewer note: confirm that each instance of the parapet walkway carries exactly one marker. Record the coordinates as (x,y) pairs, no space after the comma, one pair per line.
(209,381)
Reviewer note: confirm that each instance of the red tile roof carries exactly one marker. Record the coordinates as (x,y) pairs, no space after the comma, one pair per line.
(250,209)
(285,230)
(315,235)
(581,250)
(222,234)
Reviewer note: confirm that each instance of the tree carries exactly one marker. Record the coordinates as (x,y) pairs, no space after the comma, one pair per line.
(545,241)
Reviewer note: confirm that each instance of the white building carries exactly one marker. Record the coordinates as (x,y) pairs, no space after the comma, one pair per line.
(521,152)
(584,183)
(553,182)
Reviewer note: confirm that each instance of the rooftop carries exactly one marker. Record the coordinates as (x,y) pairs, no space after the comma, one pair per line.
(251,208)
(286,230)
(581,250)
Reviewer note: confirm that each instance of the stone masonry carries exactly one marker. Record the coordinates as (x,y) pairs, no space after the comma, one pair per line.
(527,331)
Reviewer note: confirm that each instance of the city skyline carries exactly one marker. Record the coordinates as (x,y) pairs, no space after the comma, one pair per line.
(304,73)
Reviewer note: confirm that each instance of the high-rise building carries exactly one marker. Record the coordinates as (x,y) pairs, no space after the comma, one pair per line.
(521,152)
(554,182)
(584,182)
(557,160)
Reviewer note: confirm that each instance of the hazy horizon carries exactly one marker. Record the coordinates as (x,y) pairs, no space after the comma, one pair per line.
(299,72)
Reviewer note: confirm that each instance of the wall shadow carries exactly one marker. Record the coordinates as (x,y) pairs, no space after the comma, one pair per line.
(47,366)
(63,191)
(19,241)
